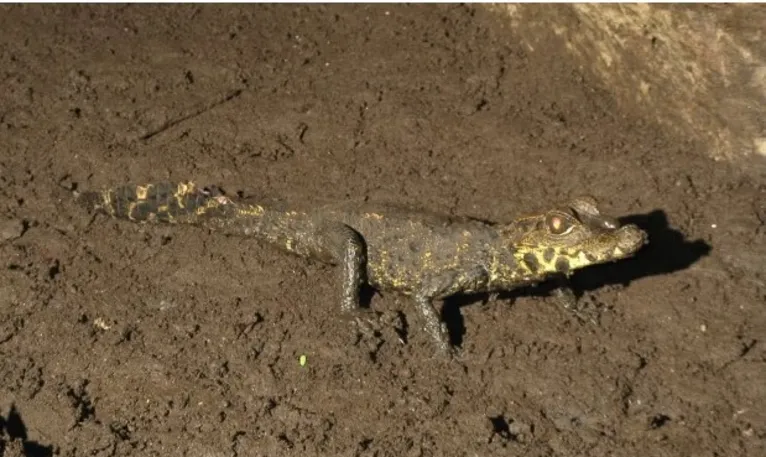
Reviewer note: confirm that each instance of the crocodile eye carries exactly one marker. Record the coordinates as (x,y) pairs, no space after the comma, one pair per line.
(558,225)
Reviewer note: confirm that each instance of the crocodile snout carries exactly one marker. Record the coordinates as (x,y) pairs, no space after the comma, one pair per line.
(630,239)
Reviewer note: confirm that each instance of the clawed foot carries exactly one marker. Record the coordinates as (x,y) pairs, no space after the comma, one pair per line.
(369,326)
(567,300)
(451,353)
(586,314)
(441,339)
(366,323)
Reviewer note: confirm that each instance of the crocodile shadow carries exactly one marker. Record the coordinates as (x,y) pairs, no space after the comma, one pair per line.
(13,427)
(668,251)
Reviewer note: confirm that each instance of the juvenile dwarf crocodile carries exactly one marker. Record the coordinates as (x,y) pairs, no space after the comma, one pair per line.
(424,255)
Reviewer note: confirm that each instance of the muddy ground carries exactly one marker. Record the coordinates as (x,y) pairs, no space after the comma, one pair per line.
(130,340)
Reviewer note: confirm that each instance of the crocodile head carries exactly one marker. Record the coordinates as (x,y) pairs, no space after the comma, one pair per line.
(572,237)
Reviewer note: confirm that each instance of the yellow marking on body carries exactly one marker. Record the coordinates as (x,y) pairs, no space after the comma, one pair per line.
(210,204)
(549,266)
(501,272)
(185,188)
(521,265)
(107,202)
(383,259)
(578,262)
(398,283)
(460,249)
(373,216)
(290,244)
(575,261)
(465,245)
(142,191)
(272,238)
(131,207)
(182,190)
(427,259)
(383,271)
(251,210)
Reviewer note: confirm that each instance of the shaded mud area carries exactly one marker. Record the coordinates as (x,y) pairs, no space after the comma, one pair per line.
(123,339)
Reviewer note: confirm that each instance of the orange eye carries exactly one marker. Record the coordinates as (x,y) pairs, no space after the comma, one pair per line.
(559,225)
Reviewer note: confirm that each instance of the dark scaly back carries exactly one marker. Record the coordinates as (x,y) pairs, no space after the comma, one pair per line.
(158,202)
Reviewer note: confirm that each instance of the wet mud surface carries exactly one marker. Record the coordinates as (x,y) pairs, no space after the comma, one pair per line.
(123,339)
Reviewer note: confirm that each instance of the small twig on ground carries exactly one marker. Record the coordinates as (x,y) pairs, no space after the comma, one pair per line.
(194,113)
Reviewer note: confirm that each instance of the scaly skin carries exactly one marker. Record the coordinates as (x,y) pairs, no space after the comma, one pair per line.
(424,255)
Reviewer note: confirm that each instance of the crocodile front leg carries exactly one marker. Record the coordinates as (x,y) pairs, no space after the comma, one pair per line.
(565,297)
(441,286)
(433,324)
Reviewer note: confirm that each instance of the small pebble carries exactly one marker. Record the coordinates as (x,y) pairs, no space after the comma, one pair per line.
(100,323)
(166,305)
(11,229)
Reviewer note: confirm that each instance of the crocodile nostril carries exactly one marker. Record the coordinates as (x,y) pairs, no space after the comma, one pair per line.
(631,238)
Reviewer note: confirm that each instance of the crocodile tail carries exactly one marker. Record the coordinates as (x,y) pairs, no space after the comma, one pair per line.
(182,202)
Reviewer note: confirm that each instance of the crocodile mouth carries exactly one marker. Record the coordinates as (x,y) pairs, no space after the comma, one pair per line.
(610,246)
(607,247)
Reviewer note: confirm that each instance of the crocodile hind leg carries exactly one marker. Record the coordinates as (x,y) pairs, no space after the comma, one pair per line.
(345,247)
(439,287)
(433,324)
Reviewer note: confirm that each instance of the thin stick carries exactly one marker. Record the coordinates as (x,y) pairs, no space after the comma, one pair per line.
(196,112)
